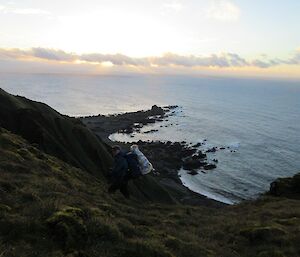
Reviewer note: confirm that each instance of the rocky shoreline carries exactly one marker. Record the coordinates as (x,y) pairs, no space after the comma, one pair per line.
(167,157)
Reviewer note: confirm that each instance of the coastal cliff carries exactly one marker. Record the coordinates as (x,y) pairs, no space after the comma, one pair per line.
(54,201)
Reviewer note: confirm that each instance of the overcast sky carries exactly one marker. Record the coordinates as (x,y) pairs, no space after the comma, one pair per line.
(218,35)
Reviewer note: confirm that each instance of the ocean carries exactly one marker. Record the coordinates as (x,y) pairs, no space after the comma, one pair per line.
(256,120)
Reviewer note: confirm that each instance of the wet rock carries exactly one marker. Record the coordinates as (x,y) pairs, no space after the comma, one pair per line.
(150,131)
(188,152)
(155,110)
(199,155)
(191,164)
(210,166)
(193,172)
(211,150)
(197,145)
(288,187)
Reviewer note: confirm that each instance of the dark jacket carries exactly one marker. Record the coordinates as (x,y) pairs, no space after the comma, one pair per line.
(133,164)
(120,168)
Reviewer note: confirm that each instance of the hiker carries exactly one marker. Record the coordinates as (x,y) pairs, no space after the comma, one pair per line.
(119,173)
(144,164)
(134,170)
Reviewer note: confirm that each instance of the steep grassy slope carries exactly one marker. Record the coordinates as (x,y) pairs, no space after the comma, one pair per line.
(71,141)
(64,137)
(49,208)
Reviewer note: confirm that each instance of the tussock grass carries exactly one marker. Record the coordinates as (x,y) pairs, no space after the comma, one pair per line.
(49,208)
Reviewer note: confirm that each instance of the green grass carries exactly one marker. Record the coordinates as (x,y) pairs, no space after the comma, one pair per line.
(59,135)
(49,208)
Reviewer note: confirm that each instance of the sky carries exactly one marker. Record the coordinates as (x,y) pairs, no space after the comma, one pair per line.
(239,37)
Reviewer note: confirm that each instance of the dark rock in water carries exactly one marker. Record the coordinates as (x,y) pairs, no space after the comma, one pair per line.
(222,148)
(155,110)
(191,164)
(288,187)
(199,155)
(210,166)
(188,152)
(211,150)
(197,145)
(171,107)
(193,172)
(151,131)
(215,160)
(150,121)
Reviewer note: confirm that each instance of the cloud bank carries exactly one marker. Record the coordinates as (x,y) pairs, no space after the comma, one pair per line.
(223,10)
(223,60)
(22,11)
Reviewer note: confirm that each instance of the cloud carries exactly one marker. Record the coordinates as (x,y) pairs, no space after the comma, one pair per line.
(51,54)
(296,58)
(22,11)
(116,59)
(223,10)
(172,7)
(224,60)
(30,11)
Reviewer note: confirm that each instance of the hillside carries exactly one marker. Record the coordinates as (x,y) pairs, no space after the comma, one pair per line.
(70,140)
(54,201)
(64,137)
(49,208)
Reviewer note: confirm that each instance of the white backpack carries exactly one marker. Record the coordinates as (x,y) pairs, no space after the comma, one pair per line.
(145,166)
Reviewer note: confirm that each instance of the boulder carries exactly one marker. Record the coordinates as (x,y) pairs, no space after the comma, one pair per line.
(209,166)
(191,164)
(211,150)
(288,187)
(193,172)
(155,110)
(199,156)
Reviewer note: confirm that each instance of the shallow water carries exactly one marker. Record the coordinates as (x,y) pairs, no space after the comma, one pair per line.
(260,119)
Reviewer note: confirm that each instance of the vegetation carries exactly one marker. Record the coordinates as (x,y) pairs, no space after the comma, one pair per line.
(50,208)
(64,137)
(54,201)
(69,140)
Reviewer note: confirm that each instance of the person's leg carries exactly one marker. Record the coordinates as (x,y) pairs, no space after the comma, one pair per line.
(124,190)
(114,186)
(123,186)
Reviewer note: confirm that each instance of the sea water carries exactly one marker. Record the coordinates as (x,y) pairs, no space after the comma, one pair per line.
(256,120)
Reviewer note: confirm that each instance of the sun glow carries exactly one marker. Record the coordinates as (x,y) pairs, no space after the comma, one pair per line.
(111,31)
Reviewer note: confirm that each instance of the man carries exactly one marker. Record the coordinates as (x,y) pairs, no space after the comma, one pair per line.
(119,172)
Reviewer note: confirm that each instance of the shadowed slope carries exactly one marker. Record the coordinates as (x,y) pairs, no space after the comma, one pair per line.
(49,208)
(64,137)
(69,140)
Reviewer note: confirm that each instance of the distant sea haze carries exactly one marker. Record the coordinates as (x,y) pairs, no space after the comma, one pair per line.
(257,121)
